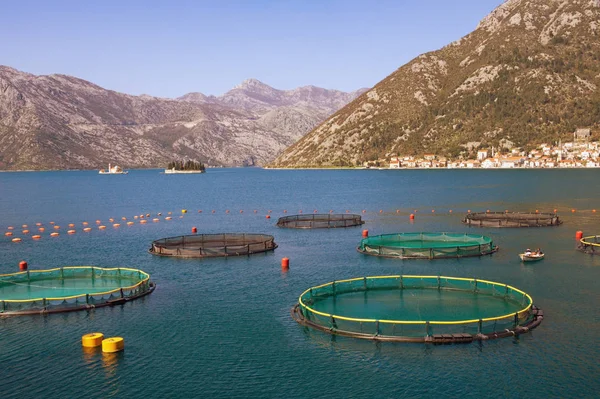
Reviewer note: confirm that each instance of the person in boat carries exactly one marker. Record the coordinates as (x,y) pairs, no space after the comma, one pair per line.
(539,252)
(528,252)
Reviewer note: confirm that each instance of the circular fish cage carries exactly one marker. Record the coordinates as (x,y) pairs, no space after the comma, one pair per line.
(427,245)
(589,245)
(511,219)
(433,309)
(213,245)
(320,221)
(70,288)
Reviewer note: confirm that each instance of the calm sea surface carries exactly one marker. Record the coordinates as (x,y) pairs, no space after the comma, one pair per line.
(222,327)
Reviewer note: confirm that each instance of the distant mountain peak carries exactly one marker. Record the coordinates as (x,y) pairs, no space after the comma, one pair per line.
(252,84)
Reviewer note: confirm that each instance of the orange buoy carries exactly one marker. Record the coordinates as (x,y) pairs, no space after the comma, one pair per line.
(71,225)
(51,222)
(87,229)
(315,211)
(111,220)
(22,265)
(285,263)
(268,216)
(227,211)
(241,211)
(135,217)
(381,211)
(450,211)
(41,229)
(143,221)
(129,223)
(56,227)
(25,231)
(412,216)
(300,211)
(148,215)
(579,235)
(36,237)
(168,218)
(331,211)
(285,211)
(155,220)
(55,234)
(168,213)
(593,211)
(101,227)
(213,211)
(397,210)
(8,233)
(116,225)
(24,226)
(199,210)
(38,224)
(123,218)
(364,211)
(70,231)
(98,222)
(572,210)
(488,211)
(194,229)
(555,211)
(255,211)
(433,211)
(506,211)
(468,211)
(536,211)
(85,223)
(16,239)
(10,227)
(365,233)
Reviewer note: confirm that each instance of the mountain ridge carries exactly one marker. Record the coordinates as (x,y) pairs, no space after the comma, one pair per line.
(529,73)
(63,122)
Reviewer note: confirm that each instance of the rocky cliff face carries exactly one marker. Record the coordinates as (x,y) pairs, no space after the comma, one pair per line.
(528,74)
(61,122)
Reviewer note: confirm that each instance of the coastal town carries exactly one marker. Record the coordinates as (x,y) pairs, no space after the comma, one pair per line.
(582,152)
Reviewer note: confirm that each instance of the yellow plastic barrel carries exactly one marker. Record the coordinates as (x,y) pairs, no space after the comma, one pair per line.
(113,344)
(92,340)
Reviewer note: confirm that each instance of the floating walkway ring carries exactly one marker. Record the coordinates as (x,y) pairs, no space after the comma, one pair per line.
(213,245)
(105,287)
(511,219)
(316,221)
(427,245)
(523,319)
(589,245)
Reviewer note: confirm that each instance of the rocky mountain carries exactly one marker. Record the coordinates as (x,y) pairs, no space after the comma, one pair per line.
(62,122)
(528,74)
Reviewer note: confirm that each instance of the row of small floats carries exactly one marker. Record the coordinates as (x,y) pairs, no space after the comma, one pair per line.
(309,309)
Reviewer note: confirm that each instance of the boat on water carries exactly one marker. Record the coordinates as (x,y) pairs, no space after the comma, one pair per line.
(531,257)
(113,170)
(174,171)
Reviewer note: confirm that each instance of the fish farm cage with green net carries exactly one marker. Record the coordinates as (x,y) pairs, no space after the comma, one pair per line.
(213,245)
(320,221)
(427,245)
(589,245)
(433,309)
(512,219)
(70,288)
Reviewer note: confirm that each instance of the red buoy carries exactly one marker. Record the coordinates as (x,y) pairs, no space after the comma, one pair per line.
(268,216)
(285,263)
(365,233)
(22,265)
(579,235)
(194,230)
(412,216)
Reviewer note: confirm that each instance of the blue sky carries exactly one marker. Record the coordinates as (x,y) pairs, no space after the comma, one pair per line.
(171,48)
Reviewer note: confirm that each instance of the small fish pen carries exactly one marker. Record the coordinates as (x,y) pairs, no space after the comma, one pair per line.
(589,245)
(511,219)
(320,221)
(213,245)
(434,309)
(427,245)
(71,288)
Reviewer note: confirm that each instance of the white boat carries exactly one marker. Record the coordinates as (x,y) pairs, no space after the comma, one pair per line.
(113,170)
(532,257)
(173,171)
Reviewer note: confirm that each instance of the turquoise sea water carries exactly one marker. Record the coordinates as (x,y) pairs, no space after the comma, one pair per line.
(222,327)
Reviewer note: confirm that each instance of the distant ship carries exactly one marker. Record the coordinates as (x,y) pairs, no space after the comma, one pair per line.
(113,170)
(173,171)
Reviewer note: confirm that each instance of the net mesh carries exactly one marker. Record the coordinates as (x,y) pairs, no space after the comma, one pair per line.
(213,245)
(589,245)
(512,219)
(70,288)
(417,328)
(319,221)
(427,245)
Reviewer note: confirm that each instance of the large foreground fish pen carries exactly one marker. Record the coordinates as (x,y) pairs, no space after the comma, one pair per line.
(320,221)
(511,219)
(427,245)
(68,289)
(434,309)
(213,245)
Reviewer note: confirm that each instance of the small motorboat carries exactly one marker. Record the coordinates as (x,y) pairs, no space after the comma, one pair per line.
(531,257)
